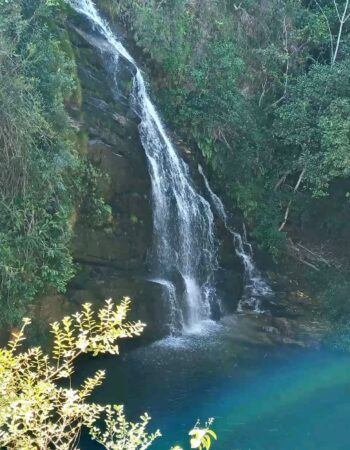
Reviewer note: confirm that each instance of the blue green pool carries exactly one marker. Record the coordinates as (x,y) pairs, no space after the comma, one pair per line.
(262,396)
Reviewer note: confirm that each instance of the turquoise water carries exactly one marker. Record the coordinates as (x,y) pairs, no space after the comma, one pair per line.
(263,396)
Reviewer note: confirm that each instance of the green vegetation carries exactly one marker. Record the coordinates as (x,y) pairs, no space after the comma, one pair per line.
(42,179)
(39,408)
(261,89)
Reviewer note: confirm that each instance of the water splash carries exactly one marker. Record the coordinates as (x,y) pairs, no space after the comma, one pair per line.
(184,244)
(256,288)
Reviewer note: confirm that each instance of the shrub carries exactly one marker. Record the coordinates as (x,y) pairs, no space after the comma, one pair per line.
(39,408)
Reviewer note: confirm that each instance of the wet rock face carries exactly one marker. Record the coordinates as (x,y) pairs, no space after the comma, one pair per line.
(112,258)
(231,273)
(113,145)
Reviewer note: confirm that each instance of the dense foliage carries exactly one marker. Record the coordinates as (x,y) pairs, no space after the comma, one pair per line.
(41,175)
(261,88)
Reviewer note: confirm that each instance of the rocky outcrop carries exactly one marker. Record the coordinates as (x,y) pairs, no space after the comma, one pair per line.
(113,146)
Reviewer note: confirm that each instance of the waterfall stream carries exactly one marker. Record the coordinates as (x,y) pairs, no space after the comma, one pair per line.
(184,255)
(255,287)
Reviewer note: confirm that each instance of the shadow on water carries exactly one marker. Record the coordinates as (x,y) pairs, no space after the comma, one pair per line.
(262,396)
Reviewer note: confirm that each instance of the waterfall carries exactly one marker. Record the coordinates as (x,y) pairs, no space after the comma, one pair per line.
(184,251)
(255,287)
(184,256)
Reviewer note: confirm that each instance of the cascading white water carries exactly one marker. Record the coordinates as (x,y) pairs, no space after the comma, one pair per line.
(256,287)
(184,241)
(184,245)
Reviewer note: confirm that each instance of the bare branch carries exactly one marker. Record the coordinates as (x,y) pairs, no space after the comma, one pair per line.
(278,101)
(296,187)
(336,8)
(262,92)
(299,180)
(342,21)
(285,45)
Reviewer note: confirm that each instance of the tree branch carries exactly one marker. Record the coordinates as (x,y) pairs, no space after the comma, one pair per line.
(336,8)
(296,187)
(285,44)
(342,20)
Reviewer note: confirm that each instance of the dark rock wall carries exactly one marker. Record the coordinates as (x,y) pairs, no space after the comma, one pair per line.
(113,145)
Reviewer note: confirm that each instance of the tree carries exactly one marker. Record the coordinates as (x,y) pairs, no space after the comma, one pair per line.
(314,127)
(343,17)
(342,14)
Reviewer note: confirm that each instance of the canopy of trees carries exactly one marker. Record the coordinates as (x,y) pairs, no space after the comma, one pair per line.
(261,88)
